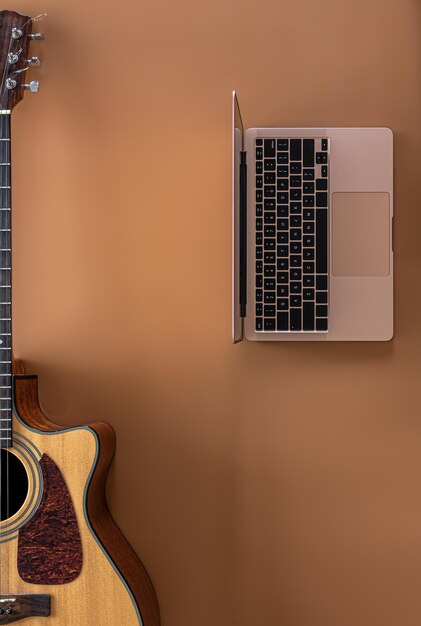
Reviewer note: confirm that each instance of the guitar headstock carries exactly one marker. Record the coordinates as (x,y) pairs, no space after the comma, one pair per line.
(15,37)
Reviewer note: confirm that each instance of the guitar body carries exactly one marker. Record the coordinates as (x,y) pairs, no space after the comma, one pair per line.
(63,534)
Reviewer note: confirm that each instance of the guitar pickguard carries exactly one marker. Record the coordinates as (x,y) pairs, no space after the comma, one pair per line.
(49,546)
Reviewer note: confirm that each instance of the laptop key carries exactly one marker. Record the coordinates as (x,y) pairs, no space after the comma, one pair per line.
(269,257)
(269,217)
(295,301)
(295,149)
(321,184)
(321,324)
(269,270)
(259,323)
(269,310)
(308,315)
(308,152)
(295,287)
(282,184)
(282,171)
(270,178)
(270,231)
(259,167)
(269,324)
(282,291)
(259,310)
(282,144)
(295,319)
(321,283)
(295,168)
(259,153)
(269,297)
(282,158)
(270,147)
(324,171)
(269,191)
(282,304)
(321,157)
(295,274)
(308,174)
(269,164)
(321,297)
(321,310)
(269,283)
(321,199)
(282,321)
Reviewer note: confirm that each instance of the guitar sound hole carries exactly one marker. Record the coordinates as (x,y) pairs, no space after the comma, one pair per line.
(13,484)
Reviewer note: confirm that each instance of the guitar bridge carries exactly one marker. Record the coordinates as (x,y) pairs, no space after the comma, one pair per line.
(14,608)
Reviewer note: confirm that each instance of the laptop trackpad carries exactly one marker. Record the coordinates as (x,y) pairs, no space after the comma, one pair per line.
(361,234)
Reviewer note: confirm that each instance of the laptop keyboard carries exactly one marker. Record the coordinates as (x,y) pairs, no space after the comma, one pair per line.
(292,183)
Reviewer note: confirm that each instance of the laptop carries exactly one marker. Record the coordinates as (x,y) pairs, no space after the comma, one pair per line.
(312,233)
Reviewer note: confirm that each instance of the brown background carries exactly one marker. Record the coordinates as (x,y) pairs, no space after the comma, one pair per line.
(261,484)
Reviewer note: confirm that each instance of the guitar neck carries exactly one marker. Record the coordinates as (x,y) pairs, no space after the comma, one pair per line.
(6,390)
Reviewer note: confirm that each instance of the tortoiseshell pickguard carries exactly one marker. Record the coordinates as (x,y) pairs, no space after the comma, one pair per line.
(49,547)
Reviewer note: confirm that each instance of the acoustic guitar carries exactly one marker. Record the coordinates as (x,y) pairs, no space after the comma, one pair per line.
(63,561)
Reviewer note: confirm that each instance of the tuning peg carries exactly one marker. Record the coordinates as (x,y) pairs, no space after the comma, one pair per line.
(16,33)
(34,61)
(33,86)
(37,36)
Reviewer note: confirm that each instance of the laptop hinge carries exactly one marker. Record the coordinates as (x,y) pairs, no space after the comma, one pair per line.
(243,233)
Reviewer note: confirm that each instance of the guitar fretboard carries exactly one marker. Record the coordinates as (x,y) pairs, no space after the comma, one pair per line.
(5,285)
